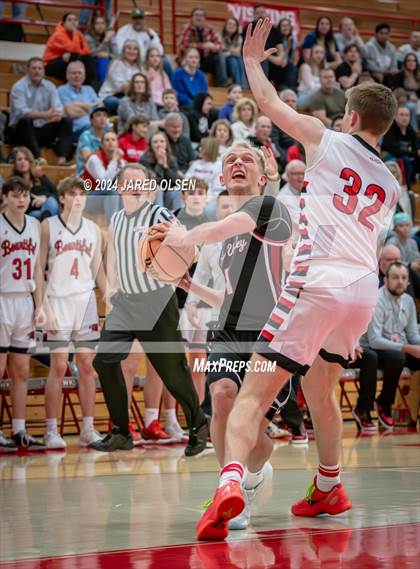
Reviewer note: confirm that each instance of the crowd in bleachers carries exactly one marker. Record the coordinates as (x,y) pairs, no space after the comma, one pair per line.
(103,98)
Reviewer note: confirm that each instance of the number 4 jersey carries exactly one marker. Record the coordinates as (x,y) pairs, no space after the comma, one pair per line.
(70,255)
(348,200)
(18,253)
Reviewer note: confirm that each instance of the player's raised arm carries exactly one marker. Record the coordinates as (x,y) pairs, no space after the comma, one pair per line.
(306,129)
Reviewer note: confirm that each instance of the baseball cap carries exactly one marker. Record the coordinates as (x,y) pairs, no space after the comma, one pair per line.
(98,108)
(401,218)
(137,13)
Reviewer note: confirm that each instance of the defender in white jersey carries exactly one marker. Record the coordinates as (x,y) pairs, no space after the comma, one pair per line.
(21,286)
(331,292)
(71,253)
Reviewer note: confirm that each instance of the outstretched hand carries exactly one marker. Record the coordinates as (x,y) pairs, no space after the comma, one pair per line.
(254,46)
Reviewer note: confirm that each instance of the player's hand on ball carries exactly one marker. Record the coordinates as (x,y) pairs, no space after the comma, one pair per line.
(173,233)
(254,46)
(159,230)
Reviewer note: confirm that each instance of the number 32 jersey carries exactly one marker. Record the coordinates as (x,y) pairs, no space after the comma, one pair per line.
(348,200)
(18,253)
(70,255)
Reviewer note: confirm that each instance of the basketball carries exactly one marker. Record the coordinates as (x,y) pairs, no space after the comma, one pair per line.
(163,262)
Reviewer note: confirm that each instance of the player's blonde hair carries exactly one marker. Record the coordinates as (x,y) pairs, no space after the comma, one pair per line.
(375,104)
(248,146)
(70,183)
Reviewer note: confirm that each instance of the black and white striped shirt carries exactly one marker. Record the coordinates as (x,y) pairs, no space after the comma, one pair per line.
(127,230)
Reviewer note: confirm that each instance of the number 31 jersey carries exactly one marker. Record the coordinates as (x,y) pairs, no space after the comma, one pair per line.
(70,256)
(348,200)
(18,253)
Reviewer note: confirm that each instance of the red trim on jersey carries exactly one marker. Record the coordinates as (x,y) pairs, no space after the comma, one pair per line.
(296,284)
(267,335)
(276,268)
(287,303)
(276,318)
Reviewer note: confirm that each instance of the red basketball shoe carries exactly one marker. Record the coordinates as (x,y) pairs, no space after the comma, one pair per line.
(228,502)
(316,502)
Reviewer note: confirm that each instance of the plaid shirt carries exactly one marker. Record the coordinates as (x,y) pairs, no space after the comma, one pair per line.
(193,37)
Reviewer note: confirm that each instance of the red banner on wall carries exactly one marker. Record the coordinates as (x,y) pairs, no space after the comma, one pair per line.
(245,13)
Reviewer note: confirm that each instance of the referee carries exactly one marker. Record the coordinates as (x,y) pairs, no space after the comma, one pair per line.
(143,309)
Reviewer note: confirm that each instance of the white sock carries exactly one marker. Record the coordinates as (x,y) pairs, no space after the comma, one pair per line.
(18,425)
(170,417)
(327,477)
(253,479)
(150,415)
(231,471)
(88,422)
(51,425)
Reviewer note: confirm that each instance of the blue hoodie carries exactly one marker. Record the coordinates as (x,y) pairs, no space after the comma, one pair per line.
(187,85)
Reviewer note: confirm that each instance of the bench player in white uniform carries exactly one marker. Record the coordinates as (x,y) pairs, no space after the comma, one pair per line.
(331,291)
(21,288)
(71,251)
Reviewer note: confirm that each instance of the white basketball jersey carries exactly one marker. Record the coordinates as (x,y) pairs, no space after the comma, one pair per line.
(18,253)
(70,257)
(348,200)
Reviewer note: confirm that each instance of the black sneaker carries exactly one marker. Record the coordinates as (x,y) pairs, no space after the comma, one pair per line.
(27,443)
(299,435)
(6,444)
(384,416)
(114,440)
(198,440)
(363,421)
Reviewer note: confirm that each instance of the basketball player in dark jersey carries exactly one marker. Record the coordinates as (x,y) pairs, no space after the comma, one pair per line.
(251,261)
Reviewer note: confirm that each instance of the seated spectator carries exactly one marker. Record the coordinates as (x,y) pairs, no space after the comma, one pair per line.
(201,116)
(137,102)
(138,32)
(244,117)
(309,75)
(348,35)
(289,194)
(280,138)
(120,72)
(37,114)
(323,35)
(197,33)
(78,99)
(391,254)
(234,93)
(328,101)
(170,105)
(401,96)
(263,127)
(404,203)
(99,39)
(409,76)
(393,335)
(231,40)
(348,72)
(282,69)
(381,55)
(222,132)
(208,167)
(159,159)
(68,44)
(401,142)
(180,145)
(104,165)
(406,244)
(133,141)
(337,123)
(189,80)
(158,79)
(90,140)
(412,47)
(44,197)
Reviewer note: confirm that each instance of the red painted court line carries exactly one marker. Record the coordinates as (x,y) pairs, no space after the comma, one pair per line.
(377,547)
